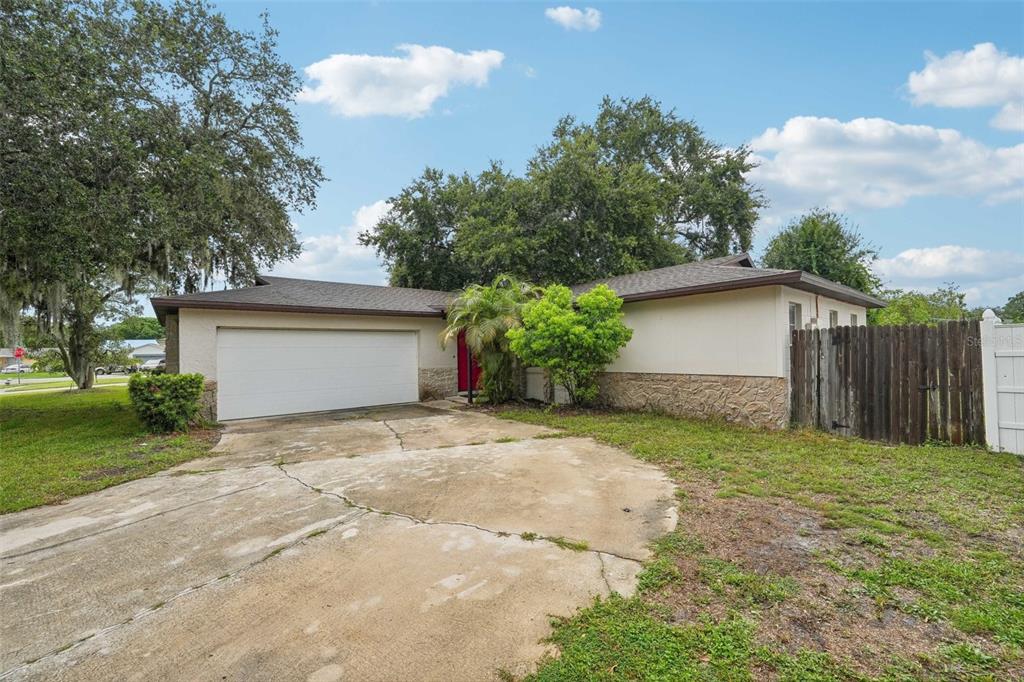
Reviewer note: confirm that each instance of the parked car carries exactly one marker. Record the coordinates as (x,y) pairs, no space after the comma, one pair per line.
(153,366)
(16,369)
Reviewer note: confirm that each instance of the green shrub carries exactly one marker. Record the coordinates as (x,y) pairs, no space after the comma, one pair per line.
(574,340)
(166,402)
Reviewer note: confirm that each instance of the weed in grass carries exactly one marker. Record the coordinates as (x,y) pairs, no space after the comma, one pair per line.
(805,666)
(724,577)
(969,656)
(869,539)
(658,574)
(677,542)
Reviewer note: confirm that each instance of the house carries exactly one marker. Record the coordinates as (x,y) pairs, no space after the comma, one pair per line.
(7,357)
(146,349)
(710,339)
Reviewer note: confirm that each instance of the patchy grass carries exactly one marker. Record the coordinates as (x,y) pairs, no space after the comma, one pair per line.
(62,444)
(726,578)
(834,558)
(627,639)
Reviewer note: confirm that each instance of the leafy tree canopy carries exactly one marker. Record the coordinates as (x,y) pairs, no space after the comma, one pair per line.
(637,188)
(136,327)
(146,147)
(573,342)
(823,243)
(1013,311)
(914,307)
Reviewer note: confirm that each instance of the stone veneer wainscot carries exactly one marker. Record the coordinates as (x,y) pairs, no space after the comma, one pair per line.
(751,401)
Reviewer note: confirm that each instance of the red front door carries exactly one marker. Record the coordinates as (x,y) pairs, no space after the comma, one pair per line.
(463,365)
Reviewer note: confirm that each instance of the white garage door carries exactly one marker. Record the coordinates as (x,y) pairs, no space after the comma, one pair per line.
(263,372)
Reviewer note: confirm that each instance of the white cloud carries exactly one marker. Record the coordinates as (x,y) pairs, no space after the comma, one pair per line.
(982,77)
(951,262)
(572,19)
(876,163)
(340,257)
(1010,117)
(357,85)
(986,277)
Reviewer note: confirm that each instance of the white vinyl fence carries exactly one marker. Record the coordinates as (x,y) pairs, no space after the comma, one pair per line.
(1002,366)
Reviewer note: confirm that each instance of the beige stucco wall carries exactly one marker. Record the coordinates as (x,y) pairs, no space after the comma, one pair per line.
(733,333)
(197,333)
(729,333)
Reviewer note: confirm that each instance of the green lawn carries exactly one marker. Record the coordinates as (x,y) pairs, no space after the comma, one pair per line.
(56,445)
(37,375)
(66,383)
(799,556)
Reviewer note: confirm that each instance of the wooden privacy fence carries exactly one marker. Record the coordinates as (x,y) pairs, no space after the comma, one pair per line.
(906,384)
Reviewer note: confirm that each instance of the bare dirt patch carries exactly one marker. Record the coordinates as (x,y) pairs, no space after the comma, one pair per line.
(779,540)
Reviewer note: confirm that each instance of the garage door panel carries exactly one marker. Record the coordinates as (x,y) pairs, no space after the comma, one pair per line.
(266,372)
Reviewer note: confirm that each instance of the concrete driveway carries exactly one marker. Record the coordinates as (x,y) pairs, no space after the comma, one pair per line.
(415,542)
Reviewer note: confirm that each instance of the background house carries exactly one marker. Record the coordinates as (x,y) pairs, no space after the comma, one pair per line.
(710,339)
(147,349)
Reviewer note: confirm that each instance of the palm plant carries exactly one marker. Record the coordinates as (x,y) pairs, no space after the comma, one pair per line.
(484,313)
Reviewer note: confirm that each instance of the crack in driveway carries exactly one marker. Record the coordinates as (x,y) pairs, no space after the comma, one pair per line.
(464,524)
(187,591)
(401,443)
(130,523)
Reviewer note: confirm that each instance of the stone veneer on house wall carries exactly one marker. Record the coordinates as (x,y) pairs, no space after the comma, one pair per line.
(752,401)
(438,382)
(208,401)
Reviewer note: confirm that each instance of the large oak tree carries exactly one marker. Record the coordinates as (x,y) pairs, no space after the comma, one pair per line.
(145,147)
(637,188)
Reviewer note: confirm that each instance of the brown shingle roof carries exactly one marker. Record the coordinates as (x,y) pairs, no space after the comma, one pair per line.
(721,274)
(284,294)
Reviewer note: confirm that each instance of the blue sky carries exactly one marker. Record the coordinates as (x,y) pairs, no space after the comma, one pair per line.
(930,167)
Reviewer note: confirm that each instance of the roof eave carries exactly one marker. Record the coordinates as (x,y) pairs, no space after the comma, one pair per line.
(820,285)
(712,287)
(163,306)
(795,279)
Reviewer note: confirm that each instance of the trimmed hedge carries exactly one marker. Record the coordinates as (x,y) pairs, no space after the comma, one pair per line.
(166,402)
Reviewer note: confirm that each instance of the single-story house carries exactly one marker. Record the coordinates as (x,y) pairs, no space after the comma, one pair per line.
(709,339)
(146,349)
(7,357)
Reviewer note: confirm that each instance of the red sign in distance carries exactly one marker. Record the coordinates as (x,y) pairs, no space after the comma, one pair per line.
(19,352)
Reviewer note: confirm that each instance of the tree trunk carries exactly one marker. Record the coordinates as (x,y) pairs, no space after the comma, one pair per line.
(77,352)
